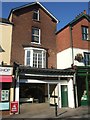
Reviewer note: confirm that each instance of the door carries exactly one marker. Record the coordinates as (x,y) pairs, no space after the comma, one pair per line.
(64,95)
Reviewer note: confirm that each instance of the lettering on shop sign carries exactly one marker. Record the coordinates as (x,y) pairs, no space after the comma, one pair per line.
(6,70)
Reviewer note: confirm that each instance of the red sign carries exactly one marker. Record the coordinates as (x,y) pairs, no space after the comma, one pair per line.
(14,107)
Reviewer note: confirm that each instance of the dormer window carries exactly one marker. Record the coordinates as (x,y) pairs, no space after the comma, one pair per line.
(36,15)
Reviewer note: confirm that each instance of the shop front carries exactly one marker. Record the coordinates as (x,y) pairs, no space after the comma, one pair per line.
(83,85)
(40,85)
(6,93)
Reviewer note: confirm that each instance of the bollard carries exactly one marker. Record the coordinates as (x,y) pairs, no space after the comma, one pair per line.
(55,109)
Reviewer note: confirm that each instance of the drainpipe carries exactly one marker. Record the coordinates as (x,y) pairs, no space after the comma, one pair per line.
(71,44)
(75,90)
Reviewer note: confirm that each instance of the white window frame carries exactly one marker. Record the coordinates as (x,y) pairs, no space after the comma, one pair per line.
(38,16)
(31,49)
(36,35)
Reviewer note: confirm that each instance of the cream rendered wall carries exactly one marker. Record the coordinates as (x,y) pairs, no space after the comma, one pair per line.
(64,58)
(5,42)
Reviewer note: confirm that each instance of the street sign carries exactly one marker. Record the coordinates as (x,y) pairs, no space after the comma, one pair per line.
(14,107)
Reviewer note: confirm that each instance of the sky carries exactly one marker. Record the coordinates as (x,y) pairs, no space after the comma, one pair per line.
(65,12)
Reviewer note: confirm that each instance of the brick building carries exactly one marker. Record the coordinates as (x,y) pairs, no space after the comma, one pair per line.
(73,50)
(34,50)
(73,40)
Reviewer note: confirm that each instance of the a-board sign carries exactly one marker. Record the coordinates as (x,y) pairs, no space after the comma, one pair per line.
(14,107)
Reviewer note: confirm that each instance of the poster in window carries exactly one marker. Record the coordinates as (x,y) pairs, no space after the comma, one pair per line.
(5,95)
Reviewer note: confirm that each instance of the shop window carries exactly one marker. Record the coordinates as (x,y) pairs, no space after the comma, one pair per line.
(4,97)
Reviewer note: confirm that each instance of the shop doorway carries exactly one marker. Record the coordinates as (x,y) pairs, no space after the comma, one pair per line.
(53,94)
(64,95)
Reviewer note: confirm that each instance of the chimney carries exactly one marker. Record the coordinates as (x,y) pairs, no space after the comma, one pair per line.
(84,11)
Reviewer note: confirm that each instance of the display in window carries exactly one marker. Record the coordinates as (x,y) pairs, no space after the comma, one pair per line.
(5,95)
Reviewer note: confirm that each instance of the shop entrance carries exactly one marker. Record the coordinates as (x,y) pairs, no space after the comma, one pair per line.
(82,91)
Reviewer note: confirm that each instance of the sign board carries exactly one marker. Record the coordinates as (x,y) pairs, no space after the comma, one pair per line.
(6,70)
(14,107)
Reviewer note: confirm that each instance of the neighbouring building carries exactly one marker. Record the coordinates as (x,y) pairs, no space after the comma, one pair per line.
(5,40)
(73,50)
(6,89)
(33,54)
(6,71)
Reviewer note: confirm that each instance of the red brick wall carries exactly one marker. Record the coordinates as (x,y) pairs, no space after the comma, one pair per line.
(77,35)
(22,29)
(63,39)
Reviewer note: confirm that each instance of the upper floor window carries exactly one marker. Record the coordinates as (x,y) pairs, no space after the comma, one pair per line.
(35,57)
(36,15)
(36,35)
(87,58)
(85,33)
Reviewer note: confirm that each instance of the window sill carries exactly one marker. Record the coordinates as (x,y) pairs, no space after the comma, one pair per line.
(85,40)
(36,20)
(35,43)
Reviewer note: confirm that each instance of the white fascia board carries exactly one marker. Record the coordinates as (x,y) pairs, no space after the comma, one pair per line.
(48,12)
(33,48)
(49,75)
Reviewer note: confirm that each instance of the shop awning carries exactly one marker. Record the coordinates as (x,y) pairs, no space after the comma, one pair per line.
(5,78)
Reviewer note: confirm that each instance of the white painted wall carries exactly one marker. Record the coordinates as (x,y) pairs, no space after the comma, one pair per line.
(71,102)
(64,58)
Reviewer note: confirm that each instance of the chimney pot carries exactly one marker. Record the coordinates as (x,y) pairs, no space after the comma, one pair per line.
(84,11)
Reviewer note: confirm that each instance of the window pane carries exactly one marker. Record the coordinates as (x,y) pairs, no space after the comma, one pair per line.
(87,58)
(28,53)
(35,39)
(34,59)
(28,61)
(28,58)
(85,33)
(35,31)
(35,35)
(36,15)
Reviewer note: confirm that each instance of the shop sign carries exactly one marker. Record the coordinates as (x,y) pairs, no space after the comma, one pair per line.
(6,70)
(14,107)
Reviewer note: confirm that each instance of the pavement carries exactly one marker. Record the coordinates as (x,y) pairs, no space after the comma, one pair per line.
(44,111)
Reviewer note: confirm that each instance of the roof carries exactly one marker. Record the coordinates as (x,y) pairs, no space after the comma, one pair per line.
(74,21)
(31,4)
(27,70)
(4,20)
